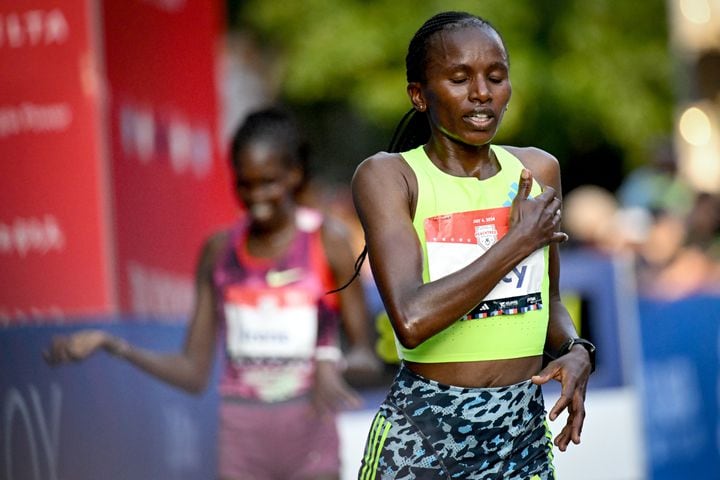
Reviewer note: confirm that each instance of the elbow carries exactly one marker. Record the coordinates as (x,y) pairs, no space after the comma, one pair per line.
(408,331)
(196,387)
(196,384)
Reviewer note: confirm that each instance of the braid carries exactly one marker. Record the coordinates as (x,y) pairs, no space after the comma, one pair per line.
(413,129)
(398,143)
(416,59)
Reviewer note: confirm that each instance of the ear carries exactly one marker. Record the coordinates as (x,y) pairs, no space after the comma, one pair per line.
(416,96)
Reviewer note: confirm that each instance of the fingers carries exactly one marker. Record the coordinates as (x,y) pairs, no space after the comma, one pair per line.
(578,419)
(572,430)
(545,375)
(57,352)
(351,399)
(575,405)
(563,438)
(333,401)
(555,207)
(524,184)
(73,348)
(560,237)
(559,406)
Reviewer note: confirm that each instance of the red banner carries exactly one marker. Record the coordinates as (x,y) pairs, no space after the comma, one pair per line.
(54,243)
(171,182)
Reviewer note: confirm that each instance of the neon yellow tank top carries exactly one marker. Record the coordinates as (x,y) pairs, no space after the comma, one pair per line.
(457,219)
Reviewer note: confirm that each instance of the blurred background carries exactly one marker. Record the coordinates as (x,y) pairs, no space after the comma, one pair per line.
(114,121)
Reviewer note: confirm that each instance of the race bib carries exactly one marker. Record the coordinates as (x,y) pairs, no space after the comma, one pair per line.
(455,240)
(270,323)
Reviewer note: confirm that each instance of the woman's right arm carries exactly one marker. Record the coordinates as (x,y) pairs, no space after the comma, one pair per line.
(384,188)
(188,369)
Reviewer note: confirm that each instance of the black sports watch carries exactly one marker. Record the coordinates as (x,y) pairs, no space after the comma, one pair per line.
(587,344)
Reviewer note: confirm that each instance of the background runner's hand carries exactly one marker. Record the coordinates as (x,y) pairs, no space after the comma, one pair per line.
(362,367)
(538,217)
(330,392)
(572,370)
(78,346)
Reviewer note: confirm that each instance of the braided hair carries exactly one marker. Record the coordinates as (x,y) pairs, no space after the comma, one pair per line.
(413,129)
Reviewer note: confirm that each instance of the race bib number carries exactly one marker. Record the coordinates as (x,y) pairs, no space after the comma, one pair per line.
(270,323)
(455,240)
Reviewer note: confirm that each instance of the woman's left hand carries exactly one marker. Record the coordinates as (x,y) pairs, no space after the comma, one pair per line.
(572,370)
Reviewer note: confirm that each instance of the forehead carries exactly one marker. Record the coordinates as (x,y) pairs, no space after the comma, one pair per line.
(261,155)
(470,44)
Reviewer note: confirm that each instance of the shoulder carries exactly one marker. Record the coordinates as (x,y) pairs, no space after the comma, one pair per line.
(217,240)
(384,171)
(543,165)
(382,162)
(533,157)
(336,241)
(332,227)
(214,245)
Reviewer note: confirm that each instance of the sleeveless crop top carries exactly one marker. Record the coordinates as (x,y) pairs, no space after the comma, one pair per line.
(457,219)
(273,314)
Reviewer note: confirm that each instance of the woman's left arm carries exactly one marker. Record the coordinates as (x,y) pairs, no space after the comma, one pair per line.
(573,369)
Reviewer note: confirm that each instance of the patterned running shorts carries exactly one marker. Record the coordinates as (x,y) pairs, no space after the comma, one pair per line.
(426,430)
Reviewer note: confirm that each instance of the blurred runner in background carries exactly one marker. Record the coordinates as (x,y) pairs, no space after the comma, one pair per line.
(261,290)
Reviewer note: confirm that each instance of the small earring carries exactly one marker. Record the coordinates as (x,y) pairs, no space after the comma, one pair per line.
(421,107)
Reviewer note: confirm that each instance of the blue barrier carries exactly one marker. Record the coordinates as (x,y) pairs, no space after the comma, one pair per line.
(597,280)
(679,387)
(103,418)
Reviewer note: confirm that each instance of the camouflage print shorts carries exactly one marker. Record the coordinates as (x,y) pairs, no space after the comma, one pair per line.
(426,430)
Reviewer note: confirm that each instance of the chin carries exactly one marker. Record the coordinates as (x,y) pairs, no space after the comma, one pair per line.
(475,140)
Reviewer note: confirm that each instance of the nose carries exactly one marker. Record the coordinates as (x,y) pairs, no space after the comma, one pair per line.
(479,90)
(259,193)
(252,192)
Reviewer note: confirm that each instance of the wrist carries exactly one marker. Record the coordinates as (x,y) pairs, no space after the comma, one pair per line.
(117,347)
(577,342)
(328,353)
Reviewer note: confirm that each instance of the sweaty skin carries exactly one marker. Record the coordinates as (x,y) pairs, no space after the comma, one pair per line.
(465,94)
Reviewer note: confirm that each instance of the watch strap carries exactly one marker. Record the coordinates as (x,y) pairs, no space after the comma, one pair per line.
(586,344)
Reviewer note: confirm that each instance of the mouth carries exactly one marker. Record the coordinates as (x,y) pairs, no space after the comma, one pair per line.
(480,119)
(261,211)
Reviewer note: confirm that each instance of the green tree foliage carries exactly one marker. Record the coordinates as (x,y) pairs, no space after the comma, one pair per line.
(585,74)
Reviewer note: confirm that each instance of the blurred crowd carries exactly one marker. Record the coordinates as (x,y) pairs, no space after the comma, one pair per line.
(670,230)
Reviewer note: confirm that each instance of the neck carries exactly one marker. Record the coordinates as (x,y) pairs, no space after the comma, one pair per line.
(462,160)
(271,240)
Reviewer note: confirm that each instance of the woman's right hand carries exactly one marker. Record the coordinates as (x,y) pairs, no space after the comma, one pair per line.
(538,218)
(80,345)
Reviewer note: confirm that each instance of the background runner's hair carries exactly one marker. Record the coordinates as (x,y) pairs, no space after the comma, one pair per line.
(276,126)
(413,129)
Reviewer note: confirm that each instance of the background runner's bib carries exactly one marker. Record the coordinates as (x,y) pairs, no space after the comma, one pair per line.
(263,323)
(273,313)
